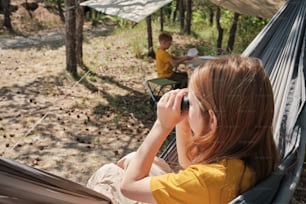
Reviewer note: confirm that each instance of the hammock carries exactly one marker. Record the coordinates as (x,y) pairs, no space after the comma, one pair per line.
(21,184)
(281,46)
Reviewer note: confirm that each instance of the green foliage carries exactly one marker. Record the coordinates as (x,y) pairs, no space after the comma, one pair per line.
(135,35)
(206,34)
(249,27)
(199,18)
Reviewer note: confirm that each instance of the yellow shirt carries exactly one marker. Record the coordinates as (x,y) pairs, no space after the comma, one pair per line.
(203,184)
(164,68)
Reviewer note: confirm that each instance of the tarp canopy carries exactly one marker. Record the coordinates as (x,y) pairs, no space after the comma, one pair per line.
(134,10)
(137,10)
(260,8)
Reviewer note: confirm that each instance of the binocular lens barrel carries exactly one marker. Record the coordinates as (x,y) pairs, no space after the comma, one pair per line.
(185,104)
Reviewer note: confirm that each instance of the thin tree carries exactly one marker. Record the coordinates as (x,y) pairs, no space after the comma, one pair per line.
(60,10)
(6,11)
(70,38)
(177,5)
(182,14)
(79,33)
(211,15)
(188,16)
(220,31)
(232,33)
(161,19)
(151,52)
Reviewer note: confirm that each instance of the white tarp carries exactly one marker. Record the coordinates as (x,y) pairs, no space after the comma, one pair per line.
(137,10)
(134,10)
(260,8)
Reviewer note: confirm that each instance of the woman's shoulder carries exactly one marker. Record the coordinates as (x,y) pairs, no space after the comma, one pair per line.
(223,168)
(224,171)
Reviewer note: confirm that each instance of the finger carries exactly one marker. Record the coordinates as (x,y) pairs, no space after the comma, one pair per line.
(172,95)
(184,90)
(165,97)
(178,100)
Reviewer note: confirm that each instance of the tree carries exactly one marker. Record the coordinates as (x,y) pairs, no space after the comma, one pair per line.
(220,31)
(79,33)
(151,52)
(6,11)
(232,33)
(161,19)
(74,21)
(182,14)
(211,15)
(60,10)
(188,16)
(70,37)
(176,10)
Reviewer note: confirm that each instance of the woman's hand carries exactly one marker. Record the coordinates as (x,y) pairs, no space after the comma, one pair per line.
(136,182)
(169,108)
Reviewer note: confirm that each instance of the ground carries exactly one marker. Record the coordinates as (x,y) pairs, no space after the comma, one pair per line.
(71,127)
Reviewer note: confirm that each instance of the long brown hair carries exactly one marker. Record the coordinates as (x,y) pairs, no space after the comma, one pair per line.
(239,93)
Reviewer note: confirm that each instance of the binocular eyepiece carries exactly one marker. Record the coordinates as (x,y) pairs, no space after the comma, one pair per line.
(185,104)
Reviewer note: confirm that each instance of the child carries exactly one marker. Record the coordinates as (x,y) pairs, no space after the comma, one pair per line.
(165,62)
(224,141)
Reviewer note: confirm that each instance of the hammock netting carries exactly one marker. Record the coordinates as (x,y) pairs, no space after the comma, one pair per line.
(281,46)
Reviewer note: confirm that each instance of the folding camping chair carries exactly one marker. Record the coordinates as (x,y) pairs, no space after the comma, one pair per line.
(157,87)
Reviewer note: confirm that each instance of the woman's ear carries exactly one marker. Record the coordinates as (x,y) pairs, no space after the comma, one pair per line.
(212,120)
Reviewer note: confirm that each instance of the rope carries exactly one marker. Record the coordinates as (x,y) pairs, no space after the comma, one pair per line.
(46,114)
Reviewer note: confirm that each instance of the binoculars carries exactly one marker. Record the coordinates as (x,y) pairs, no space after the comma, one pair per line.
(184,104)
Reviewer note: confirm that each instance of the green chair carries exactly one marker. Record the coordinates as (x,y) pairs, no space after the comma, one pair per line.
(157,87)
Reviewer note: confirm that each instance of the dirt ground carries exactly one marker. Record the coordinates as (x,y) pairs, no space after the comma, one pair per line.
(66,127)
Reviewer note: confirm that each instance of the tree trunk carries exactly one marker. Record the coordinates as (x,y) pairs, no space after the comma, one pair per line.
(79,33)
(60,10)
(188,17)
(182,15)
(177,5)
(220,31)
(211,16)
(151,52)
(70,38)
(6,12)
(232,33)
(161,20)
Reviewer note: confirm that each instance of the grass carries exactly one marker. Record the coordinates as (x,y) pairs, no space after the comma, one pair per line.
(203,34)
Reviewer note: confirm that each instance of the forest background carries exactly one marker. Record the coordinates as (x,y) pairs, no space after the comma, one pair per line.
(69,116)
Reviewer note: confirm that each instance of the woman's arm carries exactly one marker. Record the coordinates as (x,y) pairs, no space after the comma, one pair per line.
(136,183)
(183,141)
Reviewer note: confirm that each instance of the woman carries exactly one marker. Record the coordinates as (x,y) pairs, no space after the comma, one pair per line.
(225,143)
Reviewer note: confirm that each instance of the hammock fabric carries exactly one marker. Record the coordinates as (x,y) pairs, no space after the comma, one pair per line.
(281,47)
(21,184)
